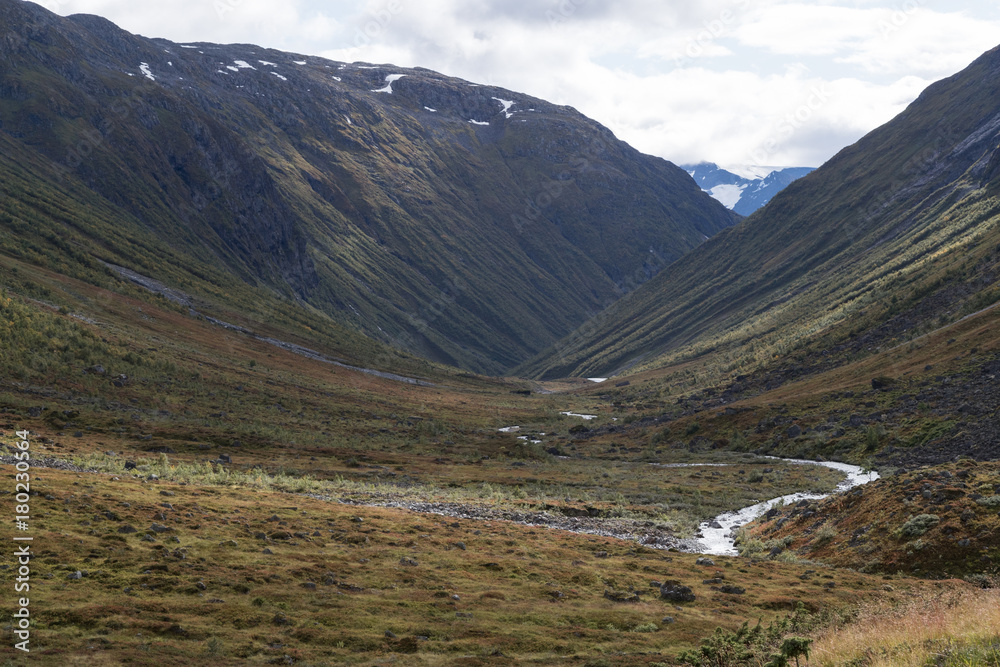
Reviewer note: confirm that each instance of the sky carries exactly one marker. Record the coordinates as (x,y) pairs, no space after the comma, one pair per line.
(736,82)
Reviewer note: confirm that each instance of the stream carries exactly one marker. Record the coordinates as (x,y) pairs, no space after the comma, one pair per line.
(714,537)
(717,534)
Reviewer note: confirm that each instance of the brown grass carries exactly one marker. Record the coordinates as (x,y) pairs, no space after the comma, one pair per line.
(927,628)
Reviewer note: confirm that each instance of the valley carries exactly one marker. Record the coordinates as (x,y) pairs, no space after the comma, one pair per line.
(299,352)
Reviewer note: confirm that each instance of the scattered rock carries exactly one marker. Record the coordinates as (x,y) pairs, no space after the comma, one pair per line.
(75,575)
(675,592)
(733,590)
(705,561)
(621,596)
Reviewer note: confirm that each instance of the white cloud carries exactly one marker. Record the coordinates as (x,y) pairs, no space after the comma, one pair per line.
(897,39)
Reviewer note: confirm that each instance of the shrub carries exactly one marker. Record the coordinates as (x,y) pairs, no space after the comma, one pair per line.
(825,534)
(918,525)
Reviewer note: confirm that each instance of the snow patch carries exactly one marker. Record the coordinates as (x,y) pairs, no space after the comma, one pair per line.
(188,46)
(337,78)
(507,104)
(509,429)
(573,414)
(264,62)
(234,68)
(388,83)
(279,76)
(144,68)
(598,380)
(299,62)
(348,118)
(242,64)
(479,122)
(729,195)
(429,109)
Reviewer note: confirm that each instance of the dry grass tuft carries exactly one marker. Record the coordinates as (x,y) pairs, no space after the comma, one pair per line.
(952,627)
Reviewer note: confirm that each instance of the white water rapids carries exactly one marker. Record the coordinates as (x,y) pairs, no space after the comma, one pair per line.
(719,541)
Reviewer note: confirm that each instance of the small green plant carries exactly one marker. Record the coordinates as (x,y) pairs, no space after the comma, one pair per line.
(646,627)
(873,437)
(214,647)
(918,525)
(825,534)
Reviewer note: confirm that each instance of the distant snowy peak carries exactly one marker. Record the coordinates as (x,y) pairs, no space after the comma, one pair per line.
(744,188)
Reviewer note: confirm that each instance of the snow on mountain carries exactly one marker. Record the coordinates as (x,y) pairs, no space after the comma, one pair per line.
(744,188)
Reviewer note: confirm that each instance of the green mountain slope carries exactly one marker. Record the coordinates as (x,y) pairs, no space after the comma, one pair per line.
(466,223)
(892,236)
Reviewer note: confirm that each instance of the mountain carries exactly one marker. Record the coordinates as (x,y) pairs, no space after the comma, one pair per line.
(744,189)
(466,223)
(893,237)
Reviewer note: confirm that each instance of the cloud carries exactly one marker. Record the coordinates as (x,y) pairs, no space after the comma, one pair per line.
(904,38)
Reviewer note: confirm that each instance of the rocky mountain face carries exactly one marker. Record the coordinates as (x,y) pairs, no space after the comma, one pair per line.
(467,223)
(891,238)
(744,189)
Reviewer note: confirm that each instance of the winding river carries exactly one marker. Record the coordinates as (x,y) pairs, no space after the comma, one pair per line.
(717,534)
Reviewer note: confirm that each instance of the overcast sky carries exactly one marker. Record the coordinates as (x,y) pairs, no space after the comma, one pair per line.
(770,82)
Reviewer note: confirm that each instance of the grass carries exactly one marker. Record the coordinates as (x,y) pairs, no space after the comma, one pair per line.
(338,577)
(942,628)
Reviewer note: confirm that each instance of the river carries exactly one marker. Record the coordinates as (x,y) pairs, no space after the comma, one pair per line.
(716,535)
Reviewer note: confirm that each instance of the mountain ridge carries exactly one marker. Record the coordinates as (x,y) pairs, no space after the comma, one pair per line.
(743,189)
(876,216)
(391,205)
